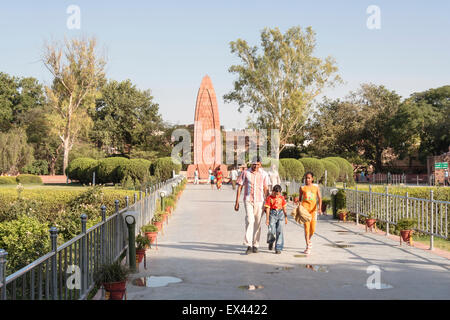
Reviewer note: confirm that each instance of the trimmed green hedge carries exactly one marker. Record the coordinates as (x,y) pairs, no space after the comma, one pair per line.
(315,166)
(108,169)
(28,179)
(332,172)
(136,169)
(292,169)
(8,180)
(162,168)
(25,221)
(82,169)
(345,170)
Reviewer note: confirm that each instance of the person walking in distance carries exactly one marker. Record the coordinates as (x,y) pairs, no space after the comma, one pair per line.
(196,176)
(255,184)
(234,176)
(211,178)
(311,199)
(219,178)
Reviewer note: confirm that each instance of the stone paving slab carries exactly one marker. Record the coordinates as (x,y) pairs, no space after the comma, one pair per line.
(203,246)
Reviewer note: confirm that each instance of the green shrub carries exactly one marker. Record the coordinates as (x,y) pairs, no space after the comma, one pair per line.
(341,199)
(36,167)
(108,169)
(406,224)
(315,166)
(127,183)
(162,168)
(292,169)
(25,239)
(332,172)
(28,179)
(82,169)
(8,180)
(136,169)
(340,163)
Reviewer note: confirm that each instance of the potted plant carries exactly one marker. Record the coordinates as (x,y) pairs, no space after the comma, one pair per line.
(371,221)
(342,213)
(141,244)
(151,232)
(406,227)
(157,220)
(295,197)
(113,277)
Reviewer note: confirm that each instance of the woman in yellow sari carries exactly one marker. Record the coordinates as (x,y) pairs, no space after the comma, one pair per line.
(219,178)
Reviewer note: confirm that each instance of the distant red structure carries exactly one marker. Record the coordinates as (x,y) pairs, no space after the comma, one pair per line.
(207,133)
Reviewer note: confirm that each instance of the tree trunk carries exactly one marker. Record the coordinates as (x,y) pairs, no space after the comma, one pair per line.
(52,166)
(378,163)
(66,147)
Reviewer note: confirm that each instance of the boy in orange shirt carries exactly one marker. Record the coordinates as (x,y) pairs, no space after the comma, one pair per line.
(275,207)
(311,199)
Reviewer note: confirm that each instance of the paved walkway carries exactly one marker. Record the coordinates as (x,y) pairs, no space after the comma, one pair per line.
(202,245)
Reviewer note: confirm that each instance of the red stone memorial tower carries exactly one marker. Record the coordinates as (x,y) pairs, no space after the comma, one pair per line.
(207,133)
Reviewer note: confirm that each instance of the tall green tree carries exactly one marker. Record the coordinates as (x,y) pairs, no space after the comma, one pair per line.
(421,125)
(18,98)
(126,118)
(335,128)
(279,80)
(15,152)
(78,73)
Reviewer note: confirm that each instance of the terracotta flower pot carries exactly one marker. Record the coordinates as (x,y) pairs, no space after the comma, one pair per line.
(370,222)
(116,290)
(406,236)
(343,216)
(140,253)
(158,225)
(151,236)
(164,217)
(296,199)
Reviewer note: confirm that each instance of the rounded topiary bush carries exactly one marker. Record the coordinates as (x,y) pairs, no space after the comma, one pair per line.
(28,178)
(267,163)
(341,163)
(108,169)
(82,169)
(8,180)
(315,166)
(292,169)
(332,172)
(136,169)
(162,168)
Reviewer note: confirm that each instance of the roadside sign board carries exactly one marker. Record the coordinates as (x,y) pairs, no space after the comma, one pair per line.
(441,165)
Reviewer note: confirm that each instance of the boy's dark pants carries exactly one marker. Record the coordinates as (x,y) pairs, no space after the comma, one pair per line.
(276,219)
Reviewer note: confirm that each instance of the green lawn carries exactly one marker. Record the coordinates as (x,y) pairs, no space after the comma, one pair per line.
(438,242)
